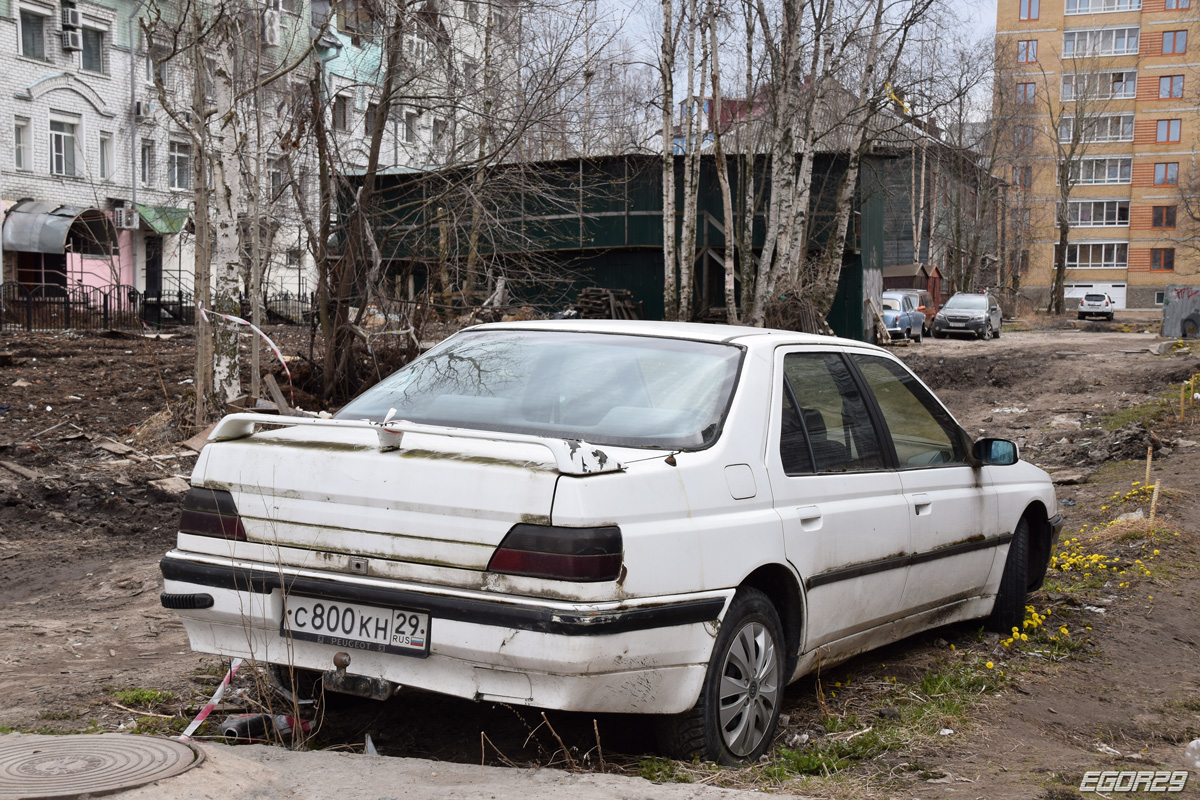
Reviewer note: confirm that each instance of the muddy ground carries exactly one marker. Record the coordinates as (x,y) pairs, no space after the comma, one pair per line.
(82,526)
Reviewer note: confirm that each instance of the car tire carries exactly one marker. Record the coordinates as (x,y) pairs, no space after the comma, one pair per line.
(996,333)
(1083,316)
(986,333)
(920,335)
(939,334)
(1008,612)
(734,719)
(1110,317)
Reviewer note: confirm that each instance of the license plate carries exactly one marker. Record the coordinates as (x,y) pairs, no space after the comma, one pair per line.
(354,626)
(958,324)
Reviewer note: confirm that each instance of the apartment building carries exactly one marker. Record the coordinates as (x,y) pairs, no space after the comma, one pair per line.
(96,175)
(1120,78)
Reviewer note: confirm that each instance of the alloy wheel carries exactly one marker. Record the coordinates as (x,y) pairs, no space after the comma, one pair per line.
(750,688)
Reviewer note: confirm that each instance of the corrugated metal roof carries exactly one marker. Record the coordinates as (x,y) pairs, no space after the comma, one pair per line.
(31,227)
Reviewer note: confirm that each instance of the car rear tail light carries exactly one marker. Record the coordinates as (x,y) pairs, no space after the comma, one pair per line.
(569,554)
(211,512)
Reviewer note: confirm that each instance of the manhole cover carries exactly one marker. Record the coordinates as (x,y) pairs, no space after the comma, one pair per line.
(43,767)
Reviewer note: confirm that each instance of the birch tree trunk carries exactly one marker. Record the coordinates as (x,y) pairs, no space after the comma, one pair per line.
(202,376)
(226,258)
(829,264)
(691,161)
(667,72)
(722,167)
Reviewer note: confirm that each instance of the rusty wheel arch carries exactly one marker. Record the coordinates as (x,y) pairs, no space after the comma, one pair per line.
(780,586)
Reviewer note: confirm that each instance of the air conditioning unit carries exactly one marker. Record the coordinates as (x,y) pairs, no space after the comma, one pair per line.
(143,109)
(270,28)
(125,219)
(71,17)
(72,40)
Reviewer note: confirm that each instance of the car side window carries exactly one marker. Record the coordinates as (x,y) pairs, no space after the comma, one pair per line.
(923,434)
(794,451)
(833,415)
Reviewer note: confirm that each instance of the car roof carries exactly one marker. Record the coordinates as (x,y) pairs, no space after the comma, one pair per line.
(696,331)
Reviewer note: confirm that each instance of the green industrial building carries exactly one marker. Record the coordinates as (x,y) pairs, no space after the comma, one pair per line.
(556,227)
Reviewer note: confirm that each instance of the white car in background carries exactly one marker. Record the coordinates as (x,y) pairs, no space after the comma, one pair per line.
(652,518)
(1096,305)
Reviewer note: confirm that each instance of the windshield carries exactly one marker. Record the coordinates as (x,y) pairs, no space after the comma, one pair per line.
(972,301)
(633,391)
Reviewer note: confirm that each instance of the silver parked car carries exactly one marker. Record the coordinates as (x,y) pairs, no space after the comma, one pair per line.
(976,314)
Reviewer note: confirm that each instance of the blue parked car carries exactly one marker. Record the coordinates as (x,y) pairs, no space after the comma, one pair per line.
(901,315)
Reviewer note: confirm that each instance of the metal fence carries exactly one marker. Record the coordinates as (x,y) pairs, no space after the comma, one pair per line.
(48,307)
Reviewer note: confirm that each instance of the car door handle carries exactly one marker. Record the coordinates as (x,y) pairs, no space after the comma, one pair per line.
(922,504)
(810,517)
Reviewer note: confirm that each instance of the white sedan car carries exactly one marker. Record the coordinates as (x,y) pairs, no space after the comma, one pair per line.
(657,518)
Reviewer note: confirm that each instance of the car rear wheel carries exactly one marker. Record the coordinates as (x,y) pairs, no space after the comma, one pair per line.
(735,717)
(920,334)
(1009,609)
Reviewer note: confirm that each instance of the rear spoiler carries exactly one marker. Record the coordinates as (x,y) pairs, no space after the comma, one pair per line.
(571,456)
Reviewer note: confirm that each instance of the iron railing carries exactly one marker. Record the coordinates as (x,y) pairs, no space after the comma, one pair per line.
(48,307)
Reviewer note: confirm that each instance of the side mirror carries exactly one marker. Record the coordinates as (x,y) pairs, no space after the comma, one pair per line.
(996,452)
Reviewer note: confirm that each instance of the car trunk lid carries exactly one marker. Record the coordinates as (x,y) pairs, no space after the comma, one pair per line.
(436,500)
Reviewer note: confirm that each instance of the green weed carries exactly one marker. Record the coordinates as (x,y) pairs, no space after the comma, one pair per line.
(142,697)
(663,770)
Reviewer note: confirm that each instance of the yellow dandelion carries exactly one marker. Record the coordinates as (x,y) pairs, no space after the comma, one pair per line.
(989,665)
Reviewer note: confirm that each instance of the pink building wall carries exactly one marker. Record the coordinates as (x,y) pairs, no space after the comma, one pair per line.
(102,272)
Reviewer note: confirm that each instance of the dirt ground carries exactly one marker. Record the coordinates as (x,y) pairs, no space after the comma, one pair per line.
(82,526)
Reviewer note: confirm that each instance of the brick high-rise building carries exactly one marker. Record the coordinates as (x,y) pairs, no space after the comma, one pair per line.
(1110,87)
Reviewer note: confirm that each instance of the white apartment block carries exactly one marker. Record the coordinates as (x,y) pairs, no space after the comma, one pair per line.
(96,177)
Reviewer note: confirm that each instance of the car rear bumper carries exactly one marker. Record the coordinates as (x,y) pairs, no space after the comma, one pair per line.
(647,655)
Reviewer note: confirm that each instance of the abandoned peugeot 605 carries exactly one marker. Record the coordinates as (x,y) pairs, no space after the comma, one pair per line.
(657,518)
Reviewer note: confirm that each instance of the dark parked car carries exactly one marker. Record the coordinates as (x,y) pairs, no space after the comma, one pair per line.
(977,314)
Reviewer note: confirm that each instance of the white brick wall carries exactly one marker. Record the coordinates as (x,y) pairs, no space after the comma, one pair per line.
(101,104)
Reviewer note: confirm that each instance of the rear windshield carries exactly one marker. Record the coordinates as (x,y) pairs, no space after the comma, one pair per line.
(967,301)
(630,391)
(1094,298)
(890,304)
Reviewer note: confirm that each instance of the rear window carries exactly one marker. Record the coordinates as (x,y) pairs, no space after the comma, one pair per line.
(1094,298)
(632,391)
